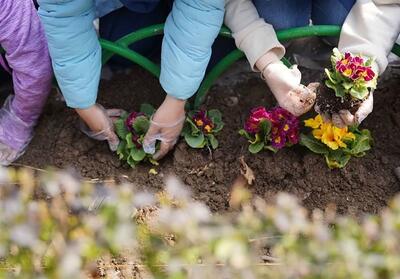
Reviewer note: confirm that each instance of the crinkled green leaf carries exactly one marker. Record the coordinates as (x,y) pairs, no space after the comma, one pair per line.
(137,154)
(256,147)
(128,140)
(313,144)
(193,127)
(271,148)
(330,77)
(141,125)
(195,142)
(359,92)
(337,159)
(120,128)
(361,144)
(265,128)
(215,115)
(122,150)
(243,133)
(213,141)
(147,109)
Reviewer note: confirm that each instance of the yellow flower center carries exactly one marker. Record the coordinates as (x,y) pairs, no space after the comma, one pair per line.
(278,140)
(347,72)
(286,128)
(199,123)
(208,128)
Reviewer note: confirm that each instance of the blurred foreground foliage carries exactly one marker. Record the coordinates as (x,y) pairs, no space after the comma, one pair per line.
(53,225)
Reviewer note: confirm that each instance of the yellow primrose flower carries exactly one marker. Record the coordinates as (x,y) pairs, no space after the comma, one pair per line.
(329,134)
(314,123)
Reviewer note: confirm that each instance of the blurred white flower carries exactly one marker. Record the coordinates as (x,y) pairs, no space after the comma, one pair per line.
(124,236)
(176,189)
(70,265)
(24,235)
(143,199)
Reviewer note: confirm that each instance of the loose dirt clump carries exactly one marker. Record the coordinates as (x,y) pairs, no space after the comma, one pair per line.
(364,186)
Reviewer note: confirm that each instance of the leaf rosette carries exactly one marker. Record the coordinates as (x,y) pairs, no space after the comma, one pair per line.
(131,129)
(201,128)
(338,145)
(270,130)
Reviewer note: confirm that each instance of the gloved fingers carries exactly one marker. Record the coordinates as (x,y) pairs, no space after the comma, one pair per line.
(338,121)
(300,100)
(365,109)
(150,139)
(113,140)
(295,72)
(326,117)
(347,118)
(165,147)
(9,155)
(313,86)
(114,114)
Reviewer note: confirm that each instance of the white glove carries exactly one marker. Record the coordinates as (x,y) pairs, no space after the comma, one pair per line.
(108,134)
(165,126)
(287,89)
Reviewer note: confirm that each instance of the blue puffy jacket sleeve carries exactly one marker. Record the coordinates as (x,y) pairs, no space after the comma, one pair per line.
(190,31)
(74,48)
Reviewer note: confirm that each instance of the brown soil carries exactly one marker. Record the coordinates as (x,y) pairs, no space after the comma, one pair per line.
(365,185)
(329,103)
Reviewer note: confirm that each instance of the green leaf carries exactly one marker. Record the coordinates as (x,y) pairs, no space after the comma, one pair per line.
(330,77)
(243,133)
(192,125)
(137,154)
(195,142)
(215,115)
(265,128)
(120,128)
(131,162)
(313,144)
(271,148)
(347,85)
(339,90)
(121,151)
(129,142)
(213,141)
(147,109)
(218,126)
(256,147)
(361,144)
(359,92)
(337,159)
(141,125)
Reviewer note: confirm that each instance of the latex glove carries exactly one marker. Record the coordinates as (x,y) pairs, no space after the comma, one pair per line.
(345,118)
(15,134)
(287,89)
(165,126)
(104,117)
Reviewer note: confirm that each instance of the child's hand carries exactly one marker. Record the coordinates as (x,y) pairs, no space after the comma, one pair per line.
(98,124)
(287,89)
(166,126)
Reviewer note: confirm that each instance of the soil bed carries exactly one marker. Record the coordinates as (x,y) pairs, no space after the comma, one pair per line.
(365,185)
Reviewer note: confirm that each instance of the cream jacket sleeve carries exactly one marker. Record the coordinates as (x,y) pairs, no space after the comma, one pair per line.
(371,28)
(252,34)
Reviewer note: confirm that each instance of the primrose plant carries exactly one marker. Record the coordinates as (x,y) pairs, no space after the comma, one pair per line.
(338,145)
(270,129)
(200,128)
(131,129)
